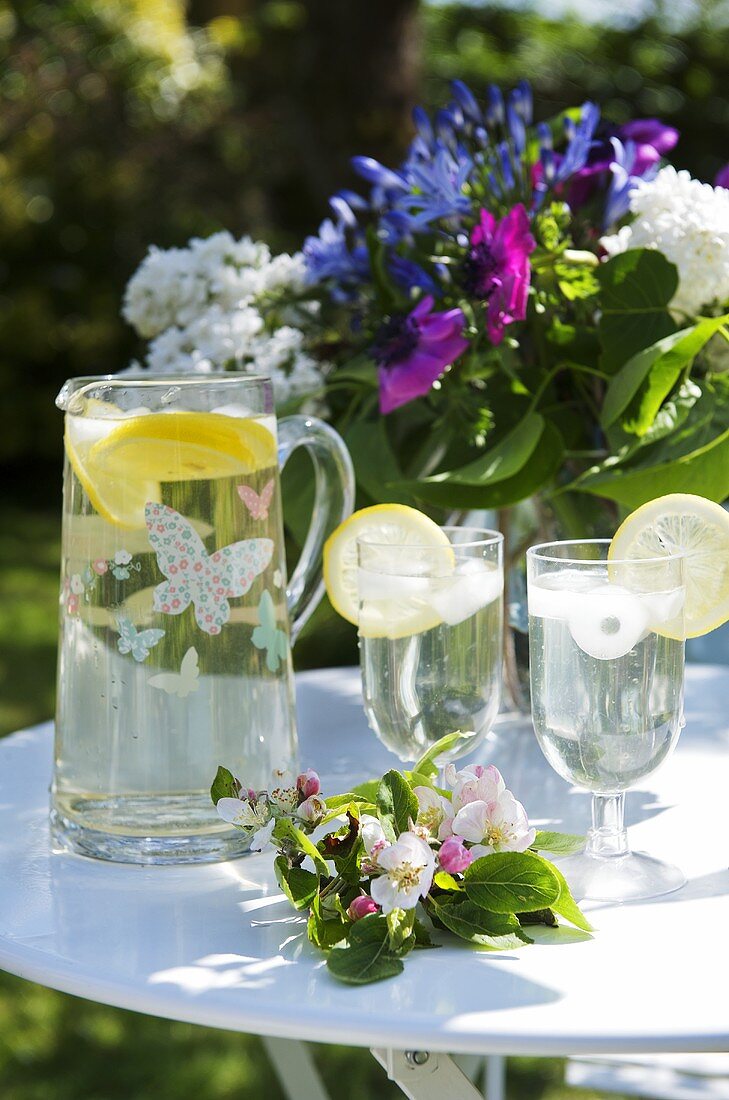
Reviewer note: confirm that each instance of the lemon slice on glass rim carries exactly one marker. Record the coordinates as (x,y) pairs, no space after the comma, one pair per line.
(697,528)
(395,604)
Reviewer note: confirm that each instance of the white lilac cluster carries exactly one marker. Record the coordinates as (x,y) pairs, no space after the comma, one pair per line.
(688,221)
(223,304)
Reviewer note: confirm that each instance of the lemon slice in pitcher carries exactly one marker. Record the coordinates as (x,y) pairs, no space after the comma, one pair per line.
(117,500)
(183,446)
(696,527)
(395,605)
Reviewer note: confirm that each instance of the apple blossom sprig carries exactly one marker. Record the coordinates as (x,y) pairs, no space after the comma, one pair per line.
(396,863)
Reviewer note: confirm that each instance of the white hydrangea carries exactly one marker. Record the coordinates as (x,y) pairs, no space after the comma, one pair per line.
(688,221)
(220,340)
(225,304)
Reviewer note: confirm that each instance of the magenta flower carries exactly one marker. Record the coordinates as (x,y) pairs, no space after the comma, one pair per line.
(651,138)
(722,177)
(454,856)
(413,351)
(496,269)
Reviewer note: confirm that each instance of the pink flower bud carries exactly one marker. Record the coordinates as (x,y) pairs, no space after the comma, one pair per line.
(308,783)
(454,856)
(362,907)
(312,810)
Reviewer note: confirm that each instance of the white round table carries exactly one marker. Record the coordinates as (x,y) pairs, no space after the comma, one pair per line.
(218,944)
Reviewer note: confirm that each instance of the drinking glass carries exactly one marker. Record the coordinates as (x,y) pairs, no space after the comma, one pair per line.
(176,620)
(607,667)
(431,640)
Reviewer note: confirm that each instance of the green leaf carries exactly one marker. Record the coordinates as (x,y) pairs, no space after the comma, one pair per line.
(502,461)
(344,848)
(397,806)
(374,461)
(299,885)
(422,935)
(694,458)
(637,287)
(444,881)
(540,468)
(565,905)
(400,924)
(640,387)
(324,931)
(367,790)
(562,844)
(624,385)
(512,882)
(363,963)
(499,931)
(426,765)
(285,829)
(225,785)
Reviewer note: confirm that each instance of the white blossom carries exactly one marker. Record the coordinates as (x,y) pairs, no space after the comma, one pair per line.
(688,221)
(406,873)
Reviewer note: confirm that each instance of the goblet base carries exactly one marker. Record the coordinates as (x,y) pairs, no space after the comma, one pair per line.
(634,876)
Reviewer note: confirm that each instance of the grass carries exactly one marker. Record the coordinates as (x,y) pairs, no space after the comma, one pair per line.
(56,1047)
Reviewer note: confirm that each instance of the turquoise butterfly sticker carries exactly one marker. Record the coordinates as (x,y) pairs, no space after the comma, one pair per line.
(136,642)
(268,636)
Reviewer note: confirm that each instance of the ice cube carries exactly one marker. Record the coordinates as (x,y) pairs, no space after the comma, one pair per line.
(474,585)
(372,585)
(555,595)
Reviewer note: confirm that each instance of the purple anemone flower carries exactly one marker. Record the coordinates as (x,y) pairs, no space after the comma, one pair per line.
(497,270)
(722,177)
(649,138)
(414,350)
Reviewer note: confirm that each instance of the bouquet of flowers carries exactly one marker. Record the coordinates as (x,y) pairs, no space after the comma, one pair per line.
(402,858)
(524,309)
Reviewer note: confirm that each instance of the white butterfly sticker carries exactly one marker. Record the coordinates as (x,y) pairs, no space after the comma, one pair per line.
(207,581)
(179,683)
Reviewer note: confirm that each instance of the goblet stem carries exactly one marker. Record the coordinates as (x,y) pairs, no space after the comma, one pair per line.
(608,837)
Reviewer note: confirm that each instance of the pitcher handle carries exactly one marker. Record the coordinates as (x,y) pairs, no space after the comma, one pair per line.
(333,502)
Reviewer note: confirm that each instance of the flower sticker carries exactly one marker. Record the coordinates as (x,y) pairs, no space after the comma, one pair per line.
(122,565)
(207,581)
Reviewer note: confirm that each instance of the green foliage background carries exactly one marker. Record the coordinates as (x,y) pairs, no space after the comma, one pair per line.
(126,122)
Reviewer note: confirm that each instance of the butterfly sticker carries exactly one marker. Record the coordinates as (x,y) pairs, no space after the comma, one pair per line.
(207,581)
(136,642)
(179,683)
(256,504)
(278,578)
(268,636)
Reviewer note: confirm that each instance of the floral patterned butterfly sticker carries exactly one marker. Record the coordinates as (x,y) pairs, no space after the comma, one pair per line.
(136,642)
(207,581)
(268,636)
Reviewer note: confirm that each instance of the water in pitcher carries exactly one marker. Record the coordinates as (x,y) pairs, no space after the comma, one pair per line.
(607,677)
(174,625)
(431,656)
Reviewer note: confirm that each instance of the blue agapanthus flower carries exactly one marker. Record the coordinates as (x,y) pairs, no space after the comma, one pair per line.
(338,255)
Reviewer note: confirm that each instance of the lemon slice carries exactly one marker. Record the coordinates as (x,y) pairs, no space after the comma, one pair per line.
(183,446)
(698,528)
(395,605)
(117,500)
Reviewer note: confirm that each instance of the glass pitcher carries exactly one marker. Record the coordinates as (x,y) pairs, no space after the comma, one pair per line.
(176,621)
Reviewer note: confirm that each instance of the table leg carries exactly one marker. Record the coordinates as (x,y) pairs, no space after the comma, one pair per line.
(425,1076)
(294,1066)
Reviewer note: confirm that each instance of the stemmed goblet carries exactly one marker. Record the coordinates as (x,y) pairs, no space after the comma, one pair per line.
(607,670)
(431,640)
